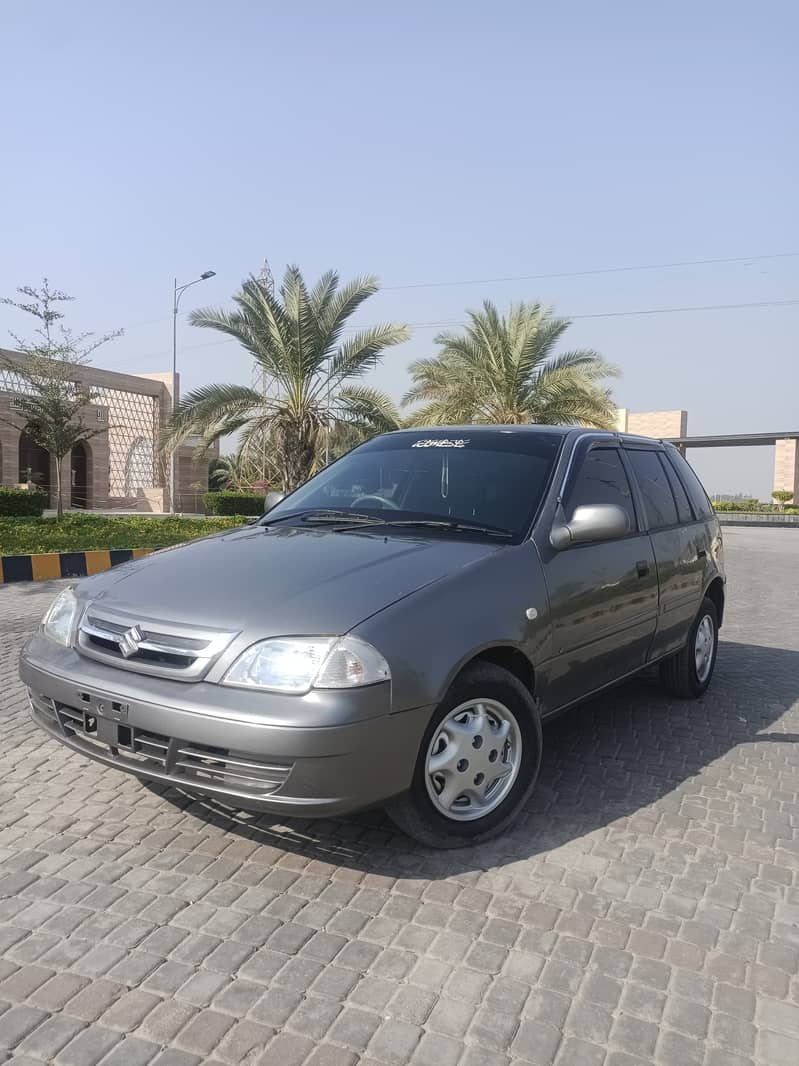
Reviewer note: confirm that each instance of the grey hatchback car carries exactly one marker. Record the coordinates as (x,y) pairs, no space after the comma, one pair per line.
(396,630)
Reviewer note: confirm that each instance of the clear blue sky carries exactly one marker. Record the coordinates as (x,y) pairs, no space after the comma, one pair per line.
(423,142)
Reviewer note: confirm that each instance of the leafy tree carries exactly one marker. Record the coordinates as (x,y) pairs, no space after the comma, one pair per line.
(504,370)
(296,336)
(783,497)
(49,407)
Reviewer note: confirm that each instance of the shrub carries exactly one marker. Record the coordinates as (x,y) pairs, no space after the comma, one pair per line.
(87,532)
(751,507)
(230,503)
(21,502)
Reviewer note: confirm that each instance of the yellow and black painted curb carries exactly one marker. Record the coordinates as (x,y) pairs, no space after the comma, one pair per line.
(64,564)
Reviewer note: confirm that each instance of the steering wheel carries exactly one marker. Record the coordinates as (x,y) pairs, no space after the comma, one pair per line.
(381,501)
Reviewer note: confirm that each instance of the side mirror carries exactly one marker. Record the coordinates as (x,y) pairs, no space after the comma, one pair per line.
(598,521)
(273,499)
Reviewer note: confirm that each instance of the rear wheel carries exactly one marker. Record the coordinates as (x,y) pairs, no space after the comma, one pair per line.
(477,763)
(687,674)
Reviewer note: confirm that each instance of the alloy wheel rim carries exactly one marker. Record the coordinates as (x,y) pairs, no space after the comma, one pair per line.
(473,760)
(704,645)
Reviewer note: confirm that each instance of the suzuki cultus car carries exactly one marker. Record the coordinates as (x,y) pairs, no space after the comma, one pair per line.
(396,631)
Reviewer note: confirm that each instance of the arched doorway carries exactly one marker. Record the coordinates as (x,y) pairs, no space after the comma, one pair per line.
(34,463)
(79,469)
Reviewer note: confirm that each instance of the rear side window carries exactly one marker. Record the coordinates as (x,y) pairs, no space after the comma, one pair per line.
(602,479)
(680,495)
(661,510)
(693,486)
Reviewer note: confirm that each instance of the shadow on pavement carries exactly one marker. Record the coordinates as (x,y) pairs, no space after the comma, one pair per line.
(606,760)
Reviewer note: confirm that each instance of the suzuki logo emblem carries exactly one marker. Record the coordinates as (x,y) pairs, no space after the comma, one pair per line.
(130,640)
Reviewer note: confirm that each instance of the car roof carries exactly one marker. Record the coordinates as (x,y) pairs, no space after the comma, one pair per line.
(493,430)
(449,431)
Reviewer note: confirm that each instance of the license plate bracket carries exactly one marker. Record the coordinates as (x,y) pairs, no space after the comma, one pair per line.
(107,731)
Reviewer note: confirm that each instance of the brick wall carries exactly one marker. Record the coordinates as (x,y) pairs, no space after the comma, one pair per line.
(786,467)
(657,423)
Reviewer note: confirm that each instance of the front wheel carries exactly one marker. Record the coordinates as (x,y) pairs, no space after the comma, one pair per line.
(477,763)
(687,674)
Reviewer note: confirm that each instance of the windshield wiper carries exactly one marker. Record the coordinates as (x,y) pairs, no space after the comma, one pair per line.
(453,524)
(325,515)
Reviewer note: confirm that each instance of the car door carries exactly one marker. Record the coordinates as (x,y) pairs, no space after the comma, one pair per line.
(678,540)
(603,595)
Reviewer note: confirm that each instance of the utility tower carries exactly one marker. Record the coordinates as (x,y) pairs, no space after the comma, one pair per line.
(261,380)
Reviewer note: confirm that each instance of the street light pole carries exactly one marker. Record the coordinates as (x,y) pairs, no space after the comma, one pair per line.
(177,292)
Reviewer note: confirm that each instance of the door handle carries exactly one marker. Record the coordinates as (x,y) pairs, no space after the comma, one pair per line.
(642,566)
(701,554)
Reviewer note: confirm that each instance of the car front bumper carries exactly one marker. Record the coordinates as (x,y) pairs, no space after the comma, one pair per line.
(327,753)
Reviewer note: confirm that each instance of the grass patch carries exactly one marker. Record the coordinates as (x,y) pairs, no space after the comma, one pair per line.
(92,532)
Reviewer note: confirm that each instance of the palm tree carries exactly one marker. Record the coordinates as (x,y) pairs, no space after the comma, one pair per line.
(296,338)
(503,370)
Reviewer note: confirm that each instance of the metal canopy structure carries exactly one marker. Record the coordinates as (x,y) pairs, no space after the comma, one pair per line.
(732,440)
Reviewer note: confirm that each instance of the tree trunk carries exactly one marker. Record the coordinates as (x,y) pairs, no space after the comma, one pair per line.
(298,450)
(59,501)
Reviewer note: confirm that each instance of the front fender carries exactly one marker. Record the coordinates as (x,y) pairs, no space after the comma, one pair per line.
(431,634)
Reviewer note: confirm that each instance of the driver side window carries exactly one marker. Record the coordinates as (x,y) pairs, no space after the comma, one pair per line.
(602,479)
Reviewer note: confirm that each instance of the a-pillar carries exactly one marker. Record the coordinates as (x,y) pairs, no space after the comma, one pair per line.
(786,467)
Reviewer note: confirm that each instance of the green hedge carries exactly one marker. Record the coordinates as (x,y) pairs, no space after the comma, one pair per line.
(88,532)
(19,502)
(233,503)
(752,507)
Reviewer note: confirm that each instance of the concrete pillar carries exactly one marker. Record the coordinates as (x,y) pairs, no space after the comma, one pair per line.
(9,455)
(786,467)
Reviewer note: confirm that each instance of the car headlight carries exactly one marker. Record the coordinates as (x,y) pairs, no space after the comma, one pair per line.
(59,622)
(298,664)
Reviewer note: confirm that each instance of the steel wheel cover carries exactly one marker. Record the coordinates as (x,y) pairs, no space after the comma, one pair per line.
(473,760)
(704,645)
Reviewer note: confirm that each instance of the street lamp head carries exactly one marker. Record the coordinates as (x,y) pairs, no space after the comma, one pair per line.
(207,274)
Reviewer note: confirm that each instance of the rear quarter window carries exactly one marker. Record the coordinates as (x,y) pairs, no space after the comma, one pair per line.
(659,503)
(692,485)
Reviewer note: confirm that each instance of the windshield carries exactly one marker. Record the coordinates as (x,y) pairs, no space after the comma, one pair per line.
(493,479)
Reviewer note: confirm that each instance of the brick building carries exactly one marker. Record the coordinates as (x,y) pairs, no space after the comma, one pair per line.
(120,467)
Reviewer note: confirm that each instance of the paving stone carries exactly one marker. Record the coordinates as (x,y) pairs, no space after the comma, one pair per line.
(645,911)
(536,1042)
(395,1042)
(129,1011)
(131,1052)
(205,1030)
(89,1047)
(165,1020)
(355,1028)
(93,1000)
(435,1050)
(777,1049)
(17,1022)
(244,1042)
(330,1055)
(288,1049)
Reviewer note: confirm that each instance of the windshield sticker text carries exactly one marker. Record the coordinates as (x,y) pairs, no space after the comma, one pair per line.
(444,442)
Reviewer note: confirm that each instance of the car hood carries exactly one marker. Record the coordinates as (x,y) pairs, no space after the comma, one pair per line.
(281,580)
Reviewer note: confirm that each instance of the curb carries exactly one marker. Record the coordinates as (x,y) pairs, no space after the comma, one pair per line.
(52,565)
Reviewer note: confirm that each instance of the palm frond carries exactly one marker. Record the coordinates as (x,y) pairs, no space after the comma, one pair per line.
(368,408)
(210,412)
(503,368)
(362,352)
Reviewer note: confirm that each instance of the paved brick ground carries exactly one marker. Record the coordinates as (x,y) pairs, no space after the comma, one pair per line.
(647,908)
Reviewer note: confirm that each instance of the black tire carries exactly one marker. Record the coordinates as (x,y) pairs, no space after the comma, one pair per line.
(415,813)
(678,674)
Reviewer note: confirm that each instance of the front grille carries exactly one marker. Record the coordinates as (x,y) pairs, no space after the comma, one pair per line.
(170,758)
(166,649)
